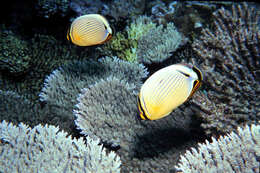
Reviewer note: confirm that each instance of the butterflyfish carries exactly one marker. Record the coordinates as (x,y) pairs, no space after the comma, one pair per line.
(167,89)
(89,30)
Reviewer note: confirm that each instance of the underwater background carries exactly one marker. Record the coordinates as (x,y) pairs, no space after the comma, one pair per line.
(66,108)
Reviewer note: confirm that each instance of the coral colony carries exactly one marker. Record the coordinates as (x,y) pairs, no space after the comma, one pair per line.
(68,108)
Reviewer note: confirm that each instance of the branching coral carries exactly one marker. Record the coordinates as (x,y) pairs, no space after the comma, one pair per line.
(145,42)
(230,59)
(236,152)
(124,44)
(158,44)
(46,149)
(64,84)
(108,110)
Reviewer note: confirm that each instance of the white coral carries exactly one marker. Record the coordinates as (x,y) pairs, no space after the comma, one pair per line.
(236,152)
(47,149)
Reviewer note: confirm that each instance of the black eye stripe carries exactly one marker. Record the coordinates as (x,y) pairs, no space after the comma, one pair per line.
(185,74)
(140,106)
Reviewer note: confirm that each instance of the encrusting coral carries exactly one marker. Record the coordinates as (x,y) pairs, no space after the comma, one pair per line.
(108,110)
(230,57)
(47,149)
(236,152)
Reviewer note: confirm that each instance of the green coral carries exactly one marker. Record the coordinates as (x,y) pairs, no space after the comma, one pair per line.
(15,54)
(145,42)
(124,44)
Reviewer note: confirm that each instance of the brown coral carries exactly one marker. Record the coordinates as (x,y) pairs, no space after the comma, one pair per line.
(230,55)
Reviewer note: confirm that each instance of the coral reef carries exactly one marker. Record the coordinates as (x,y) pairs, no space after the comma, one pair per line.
(158,47)
(48,8)
(117,9)
(47,149)
(236,152)
(95,103)
(15,53)
(124,44)
(230,59)
(62,87)
(15,108)
(46,54)
(145,42)
(98,99)
(143,146)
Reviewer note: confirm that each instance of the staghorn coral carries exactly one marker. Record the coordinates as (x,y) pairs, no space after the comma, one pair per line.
(236,152)
(47,149)
(108,110)
(144,42)
(230,57)
(15,53)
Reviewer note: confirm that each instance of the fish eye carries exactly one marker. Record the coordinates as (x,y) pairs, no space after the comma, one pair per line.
(105,26)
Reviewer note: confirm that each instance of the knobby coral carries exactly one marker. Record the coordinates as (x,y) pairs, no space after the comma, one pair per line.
(230,60)
(236,152)
(108,110)
(46,149)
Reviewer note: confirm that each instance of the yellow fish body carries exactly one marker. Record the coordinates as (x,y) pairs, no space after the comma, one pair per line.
(89,30)
(167,89)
